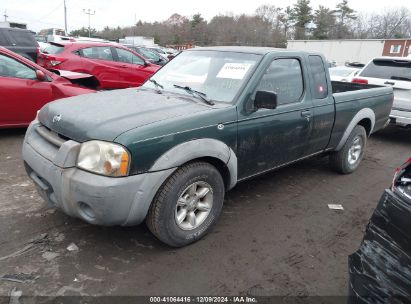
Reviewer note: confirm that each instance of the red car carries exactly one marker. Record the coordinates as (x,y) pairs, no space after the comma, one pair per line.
(25,87)
(113,65)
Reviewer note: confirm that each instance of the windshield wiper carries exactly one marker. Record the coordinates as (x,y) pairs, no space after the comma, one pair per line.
(156,84)
(400,78)
(201,95)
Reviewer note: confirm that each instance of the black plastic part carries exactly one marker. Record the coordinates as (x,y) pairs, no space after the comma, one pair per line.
(380,270)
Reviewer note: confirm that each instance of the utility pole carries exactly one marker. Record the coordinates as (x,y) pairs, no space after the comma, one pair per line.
(65,17)
(89,12)
(5,16)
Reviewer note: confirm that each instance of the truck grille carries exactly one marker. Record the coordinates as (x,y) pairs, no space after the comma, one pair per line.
(50,136)
(46,142)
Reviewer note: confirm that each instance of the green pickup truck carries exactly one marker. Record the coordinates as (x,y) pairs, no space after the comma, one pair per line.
(167,152)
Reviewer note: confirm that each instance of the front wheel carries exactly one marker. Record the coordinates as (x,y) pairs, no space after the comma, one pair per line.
(187,205)
(349,157)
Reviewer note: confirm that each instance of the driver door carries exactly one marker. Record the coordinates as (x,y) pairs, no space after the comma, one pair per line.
(268,138)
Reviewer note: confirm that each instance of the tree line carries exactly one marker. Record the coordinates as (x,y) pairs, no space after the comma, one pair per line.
(269,26)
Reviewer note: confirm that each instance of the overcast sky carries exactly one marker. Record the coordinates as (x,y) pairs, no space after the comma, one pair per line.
(40,14)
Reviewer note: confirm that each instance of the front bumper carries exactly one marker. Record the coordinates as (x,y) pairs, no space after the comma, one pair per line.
(93,198)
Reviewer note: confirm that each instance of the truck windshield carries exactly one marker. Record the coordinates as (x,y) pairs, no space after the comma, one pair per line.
(218,74)
(388,69)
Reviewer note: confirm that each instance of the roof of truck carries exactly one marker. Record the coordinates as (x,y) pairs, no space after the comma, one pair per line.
(242,49)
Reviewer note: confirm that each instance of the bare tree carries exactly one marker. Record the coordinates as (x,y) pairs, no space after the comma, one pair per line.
(285,18)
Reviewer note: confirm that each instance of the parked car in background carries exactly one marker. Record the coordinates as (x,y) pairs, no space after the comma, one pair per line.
(53,34)
(167,152)
(380,270)
(343,73)
(113,65)
(394,72)
(355,64)
(149,55)
(20,41)
(166,53)
(25,87)
(43,45)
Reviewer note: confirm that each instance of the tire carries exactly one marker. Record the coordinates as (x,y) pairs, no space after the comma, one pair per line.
(349,157)
(186,190)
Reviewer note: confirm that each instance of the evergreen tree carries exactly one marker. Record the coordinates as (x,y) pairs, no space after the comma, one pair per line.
(82,32)
(301,16)
(324,21)
(344,15)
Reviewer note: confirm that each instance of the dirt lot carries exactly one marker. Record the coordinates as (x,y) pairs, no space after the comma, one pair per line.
(276,235)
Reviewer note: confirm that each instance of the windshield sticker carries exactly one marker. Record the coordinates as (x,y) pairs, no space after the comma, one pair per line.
(234,70)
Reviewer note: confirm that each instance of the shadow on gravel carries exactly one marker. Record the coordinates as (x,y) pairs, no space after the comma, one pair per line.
(4,133)
(394,134)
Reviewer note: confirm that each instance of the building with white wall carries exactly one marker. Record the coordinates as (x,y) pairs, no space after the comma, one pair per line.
(341,51)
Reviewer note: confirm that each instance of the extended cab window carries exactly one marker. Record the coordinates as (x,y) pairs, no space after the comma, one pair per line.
(12,68)
(99,52)
(319,77)
(284,77)
(128,57)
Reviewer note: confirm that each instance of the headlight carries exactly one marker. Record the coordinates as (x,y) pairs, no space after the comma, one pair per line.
(103,158)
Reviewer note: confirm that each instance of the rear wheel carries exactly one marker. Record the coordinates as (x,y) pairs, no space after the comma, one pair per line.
(187,205)
(349,157)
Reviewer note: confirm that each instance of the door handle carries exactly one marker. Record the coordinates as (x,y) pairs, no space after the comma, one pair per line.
(306,114)
(389,82)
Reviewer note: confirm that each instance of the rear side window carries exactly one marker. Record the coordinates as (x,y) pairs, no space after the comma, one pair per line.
(53,49)
(284,77)
(319,77)
(128,57)
(23,38)
(388,69)
(99,52)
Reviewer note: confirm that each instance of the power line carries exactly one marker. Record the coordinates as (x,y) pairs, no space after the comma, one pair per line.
(34,21)
(52,11)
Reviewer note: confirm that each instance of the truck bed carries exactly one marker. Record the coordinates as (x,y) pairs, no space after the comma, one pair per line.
(347,91)
(339,86)
(350,98)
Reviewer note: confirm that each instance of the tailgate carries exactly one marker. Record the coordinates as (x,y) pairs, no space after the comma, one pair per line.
(402,99)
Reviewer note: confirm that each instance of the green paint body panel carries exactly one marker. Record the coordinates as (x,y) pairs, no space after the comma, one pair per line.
(149,124)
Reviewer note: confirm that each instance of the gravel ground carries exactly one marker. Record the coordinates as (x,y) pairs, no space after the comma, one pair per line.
(276,235)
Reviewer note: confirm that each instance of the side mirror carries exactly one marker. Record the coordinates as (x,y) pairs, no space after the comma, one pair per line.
(265,100)
(146,62)
(40,75)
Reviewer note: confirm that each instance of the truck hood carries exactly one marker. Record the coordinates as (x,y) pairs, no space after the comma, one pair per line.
(106,115)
